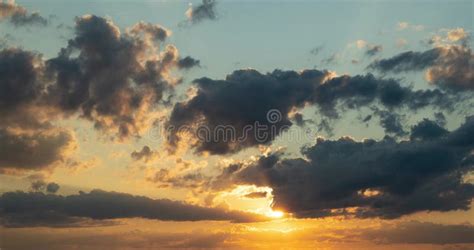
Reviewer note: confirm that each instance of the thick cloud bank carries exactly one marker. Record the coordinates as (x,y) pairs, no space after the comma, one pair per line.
(370,178)
(20,209)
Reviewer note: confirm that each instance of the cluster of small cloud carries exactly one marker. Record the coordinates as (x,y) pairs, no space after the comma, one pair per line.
(146,154)
(41,185)
(19,16)
(407,25)
(370,49)
(112,78)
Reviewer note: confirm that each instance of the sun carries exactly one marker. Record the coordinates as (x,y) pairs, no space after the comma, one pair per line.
(275,214)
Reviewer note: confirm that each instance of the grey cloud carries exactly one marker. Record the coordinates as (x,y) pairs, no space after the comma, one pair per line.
(166,178)
(115,80)
(188,62)
(38,185)
(33,152)
(145,154)
(29,209)
(391,122)
(19,16)
(299,119)
(245,97)
(373,50)
(407,61)
(450,66)
(426,130)
(316,50)
(204,11)
(21,81)
(52,187)
(384,178)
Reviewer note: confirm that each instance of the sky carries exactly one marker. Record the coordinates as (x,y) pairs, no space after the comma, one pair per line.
(236,124)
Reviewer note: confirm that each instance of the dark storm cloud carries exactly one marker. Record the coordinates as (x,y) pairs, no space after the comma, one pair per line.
(101,205)
(373,50)
(204,11)
(145,155)
(449,66)
(384,178)
(33,152)
(19,16)
(245,98)
(188,62)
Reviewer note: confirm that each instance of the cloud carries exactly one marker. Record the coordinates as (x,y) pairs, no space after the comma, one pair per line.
(21,83)
(386,178)
(239,105)
(316,50)
(406,25)
(32,209)
(415,232)
(373,50)
(204,11)
(458,34)
(391,122)
(52,187)
(111,78)
(145,155)
(332,59)
(426,130)
(40,185)
(116,79)
(19,16)
(188,62)
(370,49)
(38,151)
(448,66)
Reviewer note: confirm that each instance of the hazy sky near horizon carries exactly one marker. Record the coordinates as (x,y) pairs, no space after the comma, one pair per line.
(376,96)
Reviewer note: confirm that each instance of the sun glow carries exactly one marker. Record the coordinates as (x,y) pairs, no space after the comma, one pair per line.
(241,198)
(275,214)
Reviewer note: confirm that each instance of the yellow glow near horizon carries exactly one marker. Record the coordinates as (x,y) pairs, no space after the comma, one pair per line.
(275,214)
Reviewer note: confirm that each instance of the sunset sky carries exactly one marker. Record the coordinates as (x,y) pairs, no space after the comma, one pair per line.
(236,124)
